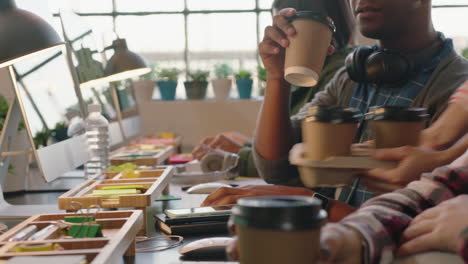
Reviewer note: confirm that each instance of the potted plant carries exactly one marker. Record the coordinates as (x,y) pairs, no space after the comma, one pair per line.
(167,83)
(144,86)
(196,85)
(222,84)
(262,77)
(244,84)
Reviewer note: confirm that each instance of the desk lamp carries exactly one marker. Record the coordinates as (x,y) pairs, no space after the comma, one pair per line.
(124,63)
(22,34)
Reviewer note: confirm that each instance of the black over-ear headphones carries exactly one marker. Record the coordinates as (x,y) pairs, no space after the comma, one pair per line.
(366,64)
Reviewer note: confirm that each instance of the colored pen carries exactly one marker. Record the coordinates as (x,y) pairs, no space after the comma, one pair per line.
(43,233)
(23,234)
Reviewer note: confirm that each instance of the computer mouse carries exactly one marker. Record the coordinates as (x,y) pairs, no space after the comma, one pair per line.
(207,248)
(206,188)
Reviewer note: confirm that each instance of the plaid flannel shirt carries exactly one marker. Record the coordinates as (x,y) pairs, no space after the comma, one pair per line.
(382,220)
(367,95)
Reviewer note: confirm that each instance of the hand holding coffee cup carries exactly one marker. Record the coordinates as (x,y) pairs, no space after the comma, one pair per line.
(276,39)
(307,50)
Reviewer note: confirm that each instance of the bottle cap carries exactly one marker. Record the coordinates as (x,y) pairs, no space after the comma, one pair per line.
(94,108)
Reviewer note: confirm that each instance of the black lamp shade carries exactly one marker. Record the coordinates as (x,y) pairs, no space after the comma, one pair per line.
(23,33)
(124,64)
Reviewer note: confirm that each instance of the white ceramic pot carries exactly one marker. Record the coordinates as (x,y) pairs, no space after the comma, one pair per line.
(221,88)
(144,90)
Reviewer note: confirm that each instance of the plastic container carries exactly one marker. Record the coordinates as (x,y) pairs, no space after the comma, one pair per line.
(97,134)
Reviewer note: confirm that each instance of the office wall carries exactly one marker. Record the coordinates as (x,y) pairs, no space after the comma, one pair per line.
(195,120)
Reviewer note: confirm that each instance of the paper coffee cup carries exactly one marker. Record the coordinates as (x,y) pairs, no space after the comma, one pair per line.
(279,229)
(329,131)
(307,50)
(394,127)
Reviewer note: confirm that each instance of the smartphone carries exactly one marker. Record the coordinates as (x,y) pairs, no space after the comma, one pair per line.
(199,211)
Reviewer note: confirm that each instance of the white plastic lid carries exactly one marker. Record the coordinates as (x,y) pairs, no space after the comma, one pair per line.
(94,108)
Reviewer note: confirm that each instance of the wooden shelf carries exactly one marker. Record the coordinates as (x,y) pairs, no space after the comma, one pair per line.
(130,154)
(119,230)
(154,183)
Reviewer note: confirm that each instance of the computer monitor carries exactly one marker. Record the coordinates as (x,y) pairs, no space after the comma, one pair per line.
(86,59)
(51,112)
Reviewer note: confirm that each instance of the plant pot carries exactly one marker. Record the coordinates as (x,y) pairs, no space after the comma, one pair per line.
(221,88)
(167,89)
(244,86)
(195,90)
(143,90)
(60,134)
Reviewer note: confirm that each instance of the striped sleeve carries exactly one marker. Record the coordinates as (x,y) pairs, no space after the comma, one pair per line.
(382,220)
(461,96)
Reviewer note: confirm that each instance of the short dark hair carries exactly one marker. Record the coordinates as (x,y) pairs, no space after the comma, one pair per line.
(338,10)
(280,4)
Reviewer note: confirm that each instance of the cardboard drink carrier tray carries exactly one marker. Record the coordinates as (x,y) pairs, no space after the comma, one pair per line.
(336,171)
(132,154)
(153,182)
(119,229)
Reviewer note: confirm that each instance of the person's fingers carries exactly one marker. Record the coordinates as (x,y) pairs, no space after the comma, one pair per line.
(330,242)
(331,50)
(274,34)
(200,151)
(220,193)
(232,249)
(379,187)
(282,23)
(288,12)
(418,229)
(207,140)
(429,214)
(392,154)
(268,47)
(420,244)
(379,174)
(230,199)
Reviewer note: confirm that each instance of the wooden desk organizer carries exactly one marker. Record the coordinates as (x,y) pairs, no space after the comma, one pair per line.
(154,182)
(119,231)
(155,157)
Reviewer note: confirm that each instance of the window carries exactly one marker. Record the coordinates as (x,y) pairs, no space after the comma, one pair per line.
(211,31)
(152,5)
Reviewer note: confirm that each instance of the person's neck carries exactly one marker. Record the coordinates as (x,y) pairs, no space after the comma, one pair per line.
(410,41)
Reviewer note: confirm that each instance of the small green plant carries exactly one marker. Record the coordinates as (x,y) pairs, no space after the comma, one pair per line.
(150,75)
(243,74)
(3,114)
(262,73)
(465,52)
(199,76)
(222,71)
(168,74)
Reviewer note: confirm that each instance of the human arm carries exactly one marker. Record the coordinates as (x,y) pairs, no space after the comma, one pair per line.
(273,136)
(451,125)
(439,228)
(412,162)
(228,141)
(336,210)
(381,220)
